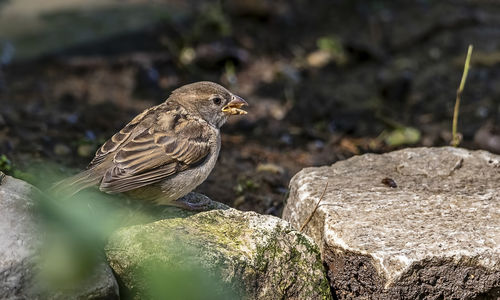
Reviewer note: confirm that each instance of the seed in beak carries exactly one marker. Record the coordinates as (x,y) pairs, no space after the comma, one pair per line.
(234,106)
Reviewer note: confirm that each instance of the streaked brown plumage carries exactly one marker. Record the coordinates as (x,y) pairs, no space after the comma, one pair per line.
(164,152)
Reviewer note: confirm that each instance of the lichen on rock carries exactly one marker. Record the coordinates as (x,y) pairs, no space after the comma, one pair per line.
(243,255)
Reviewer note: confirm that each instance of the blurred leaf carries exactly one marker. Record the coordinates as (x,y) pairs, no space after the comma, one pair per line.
(401,136)
(330,49)
(5,164)
(185,282)
(330,44)
(74,231)
(30,178)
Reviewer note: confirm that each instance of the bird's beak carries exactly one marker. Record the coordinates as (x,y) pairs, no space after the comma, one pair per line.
(234,106)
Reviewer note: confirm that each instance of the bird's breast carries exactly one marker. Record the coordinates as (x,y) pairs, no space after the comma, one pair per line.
(179,185)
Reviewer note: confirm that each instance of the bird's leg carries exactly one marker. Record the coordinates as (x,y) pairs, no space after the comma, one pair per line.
(193,201)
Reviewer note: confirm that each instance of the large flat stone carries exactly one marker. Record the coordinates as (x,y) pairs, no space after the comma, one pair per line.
(436,235)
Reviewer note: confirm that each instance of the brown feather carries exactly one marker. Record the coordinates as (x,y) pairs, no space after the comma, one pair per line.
(168,146)
(129,131)
(74,184)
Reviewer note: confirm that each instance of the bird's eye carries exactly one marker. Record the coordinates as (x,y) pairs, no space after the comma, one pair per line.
(217,100)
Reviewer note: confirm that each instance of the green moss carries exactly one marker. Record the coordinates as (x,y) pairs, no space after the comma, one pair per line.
(313,249)
(222,232)
(261,263)
(281,262)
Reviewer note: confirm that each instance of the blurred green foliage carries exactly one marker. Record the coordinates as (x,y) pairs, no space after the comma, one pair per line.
(187,283)
(76,229)
(8,168)
(5,164)
(334,47)
(401,136)
(245,184)
(330,44)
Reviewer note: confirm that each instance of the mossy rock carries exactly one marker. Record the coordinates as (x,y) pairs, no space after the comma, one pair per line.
(219,254)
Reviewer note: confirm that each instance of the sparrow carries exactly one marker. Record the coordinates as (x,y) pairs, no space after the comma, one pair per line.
(166,151)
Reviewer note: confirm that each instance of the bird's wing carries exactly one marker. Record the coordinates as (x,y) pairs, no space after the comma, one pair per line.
(103,157)
(128,132)
(172,144)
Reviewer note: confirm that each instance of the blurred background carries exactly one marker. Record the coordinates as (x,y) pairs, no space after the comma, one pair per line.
(325,80)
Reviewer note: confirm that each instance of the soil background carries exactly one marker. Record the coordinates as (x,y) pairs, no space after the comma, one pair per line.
(325,80)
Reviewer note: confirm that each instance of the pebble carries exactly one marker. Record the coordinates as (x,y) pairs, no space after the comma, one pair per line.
(272,168)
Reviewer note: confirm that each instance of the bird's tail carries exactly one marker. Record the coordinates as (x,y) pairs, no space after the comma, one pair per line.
(70,186)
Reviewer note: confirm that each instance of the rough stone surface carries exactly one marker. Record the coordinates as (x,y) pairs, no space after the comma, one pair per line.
(256,256)
(20,241)
(434,236)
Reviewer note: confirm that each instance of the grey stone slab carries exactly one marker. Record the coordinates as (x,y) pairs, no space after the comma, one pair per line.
(435,235)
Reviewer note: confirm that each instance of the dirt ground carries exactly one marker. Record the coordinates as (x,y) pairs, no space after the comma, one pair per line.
(325,80)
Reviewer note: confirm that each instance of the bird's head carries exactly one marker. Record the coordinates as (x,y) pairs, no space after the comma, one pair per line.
(211,101)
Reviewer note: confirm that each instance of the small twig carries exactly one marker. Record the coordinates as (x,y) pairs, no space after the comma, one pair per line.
(457,166)
(314,210)
(456,136)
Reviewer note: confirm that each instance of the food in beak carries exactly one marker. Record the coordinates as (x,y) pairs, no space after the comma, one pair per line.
(234,106)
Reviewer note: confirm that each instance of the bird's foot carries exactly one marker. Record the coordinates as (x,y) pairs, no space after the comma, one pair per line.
(193,201)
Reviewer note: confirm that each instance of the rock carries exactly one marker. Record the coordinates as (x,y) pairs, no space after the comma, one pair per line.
(436,235)
(250,256)
(20,244)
